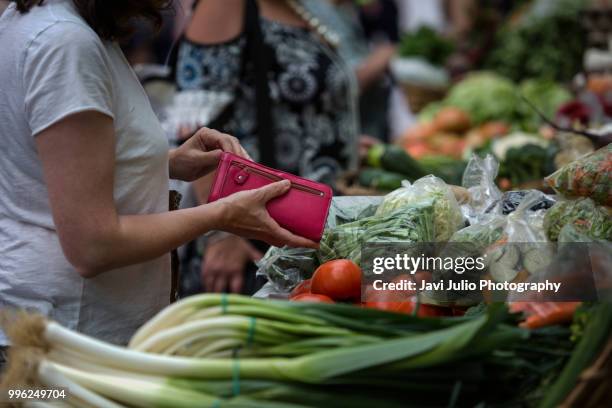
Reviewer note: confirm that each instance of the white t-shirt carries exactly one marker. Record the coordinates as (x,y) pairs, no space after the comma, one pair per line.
(52,64)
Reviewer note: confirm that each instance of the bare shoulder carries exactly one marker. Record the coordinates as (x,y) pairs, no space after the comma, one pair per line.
(216,21)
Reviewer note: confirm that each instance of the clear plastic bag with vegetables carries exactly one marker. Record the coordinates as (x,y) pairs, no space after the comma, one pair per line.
(590,176)
(348,209)
(511,239)
(479,180)
(581,267)
(512,199)
(413,223)
(592,220)
(427,191)
(286,267)
(523,249)
(513,246)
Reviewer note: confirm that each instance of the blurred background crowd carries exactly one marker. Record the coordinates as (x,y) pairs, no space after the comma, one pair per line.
(316,87)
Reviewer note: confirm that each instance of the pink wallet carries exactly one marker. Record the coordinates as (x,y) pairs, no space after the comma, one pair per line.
(303,210)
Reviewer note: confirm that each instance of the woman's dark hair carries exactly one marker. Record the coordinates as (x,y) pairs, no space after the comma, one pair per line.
(111,18)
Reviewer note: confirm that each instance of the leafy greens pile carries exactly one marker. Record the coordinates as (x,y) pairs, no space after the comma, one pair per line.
(428,44)
(487,96)
(548,44)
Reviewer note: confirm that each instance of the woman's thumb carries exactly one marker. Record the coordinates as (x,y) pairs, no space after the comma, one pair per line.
(275,189)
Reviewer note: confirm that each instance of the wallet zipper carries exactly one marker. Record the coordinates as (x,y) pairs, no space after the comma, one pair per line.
(276,178)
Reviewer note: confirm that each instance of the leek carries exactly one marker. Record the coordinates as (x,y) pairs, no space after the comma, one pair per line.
(230,351)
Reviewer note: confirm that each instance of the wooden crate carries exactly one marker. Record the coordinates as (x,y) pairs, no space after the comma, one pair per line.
(420,96)
(594,388)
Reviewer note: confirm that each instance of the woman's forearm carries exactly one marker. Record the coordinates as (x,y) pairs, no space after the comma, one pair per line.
(78,160)
(374,66)
(134,239)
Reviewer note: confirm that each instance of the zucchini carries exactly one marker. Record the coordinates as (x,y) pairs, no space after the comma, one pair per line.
(380,179)
(448,169)
(395,159)
(536,260)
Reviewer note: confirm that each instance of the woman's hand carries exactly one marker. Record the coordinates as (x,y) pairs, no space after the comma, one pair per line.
(224,263)
(200,154)
(245,214)
(365,144)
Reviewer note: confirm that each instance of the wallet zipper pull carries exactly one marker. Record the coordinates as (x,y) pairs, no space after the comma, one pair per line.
(243,175)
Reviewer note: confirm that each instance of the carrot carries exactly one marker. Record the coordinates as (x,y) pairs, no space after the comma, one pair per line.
(549,313)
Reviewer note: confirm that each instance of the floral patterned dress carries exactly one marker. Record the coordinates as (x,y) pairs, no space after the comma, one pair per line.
(313,95)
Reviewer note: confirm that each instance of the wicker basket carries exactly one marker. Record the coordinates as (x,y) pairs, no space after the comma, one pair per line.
(419,96)
(594,388)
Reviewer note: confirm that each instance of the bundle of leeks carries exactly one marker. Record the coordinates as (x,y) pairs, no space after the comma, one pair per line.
(233,351)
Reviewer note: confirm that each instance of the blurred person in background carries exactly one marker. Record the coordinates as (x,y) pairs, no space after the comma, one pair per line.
(85,231)
(380,20)
(367,41)
(313,103)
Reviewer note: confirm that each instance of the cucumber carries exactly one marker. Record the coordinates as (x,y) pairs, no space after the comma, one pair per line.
(380,179)
(395,159)
(536,260)
(503,263)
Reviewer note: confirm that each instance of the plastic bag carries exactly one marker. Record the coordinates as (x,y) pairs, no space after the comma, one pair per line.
(513,246)
(193,109)
(348,209)
(479,180)
(523,249)
(512,199)
(590,176)
(414,223)
(286,267)
(580,266)
(427,191)
(593,220)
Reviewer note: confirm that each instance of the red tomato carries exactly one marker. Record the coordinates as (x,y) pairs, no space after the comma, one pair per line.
(422,276)
(303,287)
(373,295)
(433,311)
(369,291)
(417,278)
(339,279)
(458,311)
(405,307)
(390,301)
(311,297)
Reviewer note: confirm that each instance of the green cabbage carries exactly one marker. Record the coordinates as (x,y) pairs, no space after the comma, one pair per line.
(546,95)
(485,96)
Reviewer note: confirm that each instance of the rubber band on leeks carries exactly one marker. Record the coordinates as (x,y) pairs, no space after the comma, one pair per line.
(251,332)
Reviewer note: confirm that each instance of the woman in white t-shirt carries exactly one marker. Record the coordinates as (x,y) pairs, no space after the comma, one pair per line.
(84,222)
